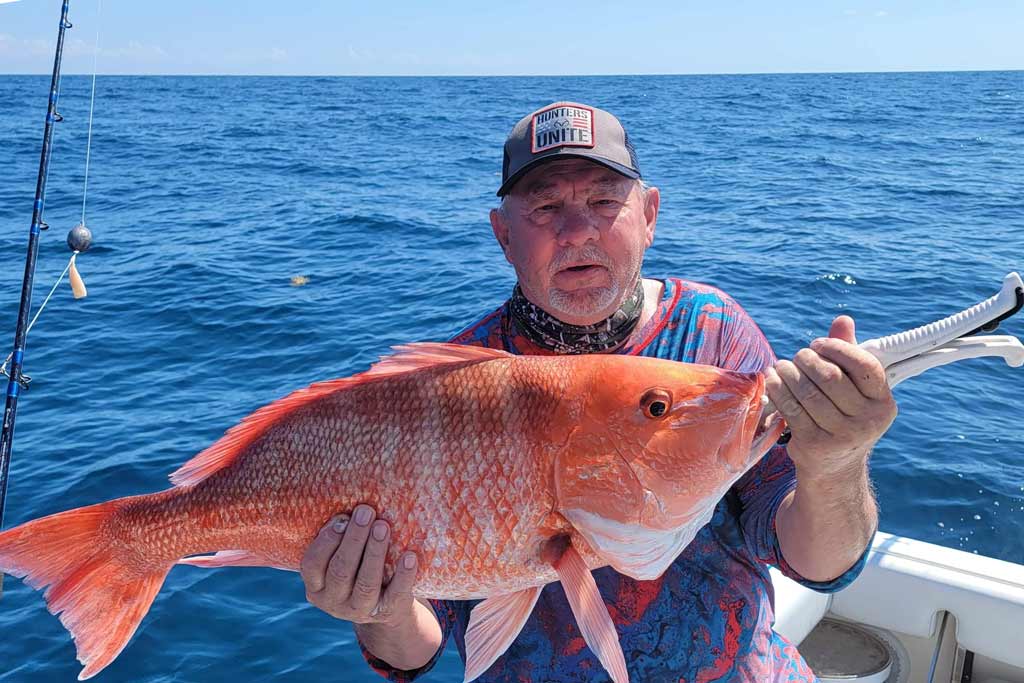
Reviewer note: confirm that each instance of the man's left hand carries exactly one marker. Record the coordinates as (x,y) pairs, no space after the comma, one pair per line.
(837,402)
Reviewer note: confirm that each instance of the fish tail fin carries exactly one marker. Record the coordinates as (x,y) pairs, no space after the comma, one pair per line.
(99,589)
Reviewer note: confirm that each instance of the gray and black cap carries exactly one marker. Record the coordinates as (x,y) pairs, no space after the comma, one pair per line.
(566,130)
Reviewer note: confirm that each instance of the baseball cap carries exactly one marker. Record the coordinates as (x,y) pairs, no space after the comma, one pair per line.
(566,130)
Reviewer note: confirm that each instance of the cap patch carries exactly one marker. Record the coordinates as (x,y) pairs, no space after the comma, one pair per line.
(562,126)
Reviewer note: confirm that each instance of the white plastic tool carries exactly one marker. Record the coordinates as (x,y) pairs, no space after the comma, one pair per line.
(908,354)
(912,352)
(1008,348)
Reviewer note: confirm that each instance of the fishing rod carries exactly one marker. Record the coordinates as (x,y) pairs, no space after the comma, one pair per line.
(78,240)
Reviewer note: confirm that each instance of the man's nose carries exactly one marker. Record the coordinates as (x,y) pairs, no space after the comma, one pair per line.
(576,228)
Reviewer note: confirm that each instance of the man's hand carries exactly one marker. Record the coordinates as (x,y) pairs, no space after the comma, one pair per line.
(837,402)
(343,570)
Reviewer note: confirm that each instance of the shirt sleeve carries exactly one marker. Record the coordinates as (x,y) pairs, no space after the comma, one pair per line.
(743,347)
(445,614)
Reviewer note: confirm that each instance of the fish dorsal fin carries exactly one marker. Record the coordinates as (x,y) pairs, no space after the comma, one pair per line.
(428,354)
(407,358)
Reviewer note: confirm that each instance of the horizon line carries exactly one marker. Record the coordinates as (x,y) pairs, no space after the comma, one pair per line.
(527,75)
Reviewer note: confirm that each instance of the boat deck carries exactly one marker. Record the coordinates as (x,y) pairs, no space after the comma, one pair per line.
(938,614)
(908,659)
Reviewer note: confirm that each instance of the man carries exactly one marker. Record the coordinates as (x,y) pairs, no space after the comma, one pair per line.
(574,221)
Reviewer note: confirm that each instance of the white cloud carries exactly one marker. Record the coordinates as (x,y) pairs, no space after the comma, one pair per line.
(134,50)
(881,13)
(9,45)
(850,12)
(38,47)
(360,55)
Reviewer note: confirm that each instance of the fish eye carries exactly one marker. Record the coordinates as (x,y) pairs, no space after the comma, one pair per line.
(655,403)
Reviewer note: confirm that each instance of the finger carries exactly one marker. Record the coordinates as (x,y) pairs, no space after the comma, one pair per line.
(814,402)
(397,597)
(832,381)
(843,328)
(344,565)
(366,590)
(314,561)
(861,367)
(785,402)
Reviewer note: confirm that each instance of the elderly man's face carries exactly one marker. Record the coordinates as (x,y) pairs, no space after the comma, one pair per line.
(576,233)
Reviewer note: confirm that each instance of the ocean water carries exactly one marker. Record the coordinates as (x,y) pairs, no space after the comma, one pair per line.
(895,198)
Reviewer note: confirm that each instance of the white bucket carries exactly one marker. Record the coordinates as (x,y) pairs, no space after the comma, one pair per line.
(841,652)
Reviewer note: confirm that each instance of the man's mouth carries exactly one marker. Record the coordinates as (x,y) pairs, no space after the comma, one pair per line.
(581,276)
(582,268)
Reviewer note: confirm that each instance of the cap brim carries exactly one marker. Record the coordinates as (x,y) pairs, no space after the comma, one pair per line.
(607,163)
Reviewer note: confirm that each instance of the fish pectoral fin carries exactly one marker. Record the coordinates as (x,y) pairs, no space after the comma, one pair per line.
(493,625)
(591,613)
(234,558)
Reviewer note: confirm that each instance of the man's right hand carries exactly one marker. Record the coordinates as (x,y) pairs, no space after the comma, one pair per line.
(343,570)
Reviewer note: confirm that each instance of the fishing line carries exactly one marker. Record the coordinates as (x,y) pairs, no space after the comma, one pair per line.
(3,367)
(92,103)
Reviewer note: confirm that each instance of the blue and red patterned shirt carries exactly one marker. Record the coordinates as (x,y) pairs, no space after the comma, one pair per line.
(709,616)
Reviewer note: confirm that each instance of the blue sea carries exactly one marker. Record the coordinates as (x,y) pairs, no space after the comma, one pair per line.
(894,198)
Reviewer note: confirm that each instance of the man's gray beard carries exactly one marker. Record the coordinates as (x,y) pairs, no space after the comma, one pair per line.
(597,299)
(579,304)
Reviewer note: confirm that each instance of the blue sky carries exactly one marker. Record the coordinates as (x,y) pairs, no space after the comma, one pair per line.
(412,38)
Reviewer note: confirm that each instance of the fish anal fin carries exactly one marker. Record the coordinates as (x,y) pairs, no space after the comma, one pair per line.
(408,358)
(235,558)
(493,625)
(591,613)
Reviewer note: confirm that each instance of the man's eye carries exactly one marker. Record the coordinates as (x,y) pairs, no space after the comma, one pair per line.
(606,202)
(547,207)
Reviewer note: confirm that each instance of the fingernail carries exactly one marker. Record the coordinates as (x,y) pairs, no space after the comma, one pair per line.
(380,531)
(409,561)
(340,526)
(363,515)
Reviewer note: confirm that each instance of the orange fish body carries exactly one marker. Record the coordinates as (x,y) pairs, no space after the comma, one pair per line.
(483,463)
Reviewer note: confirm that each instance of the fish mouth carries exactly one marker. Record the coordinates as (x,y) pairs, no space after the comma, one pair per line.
(762,427)
(767,434)
(770,423)
(765,411)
